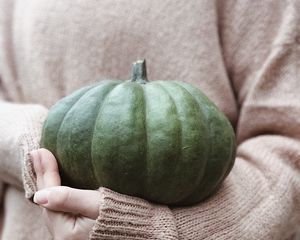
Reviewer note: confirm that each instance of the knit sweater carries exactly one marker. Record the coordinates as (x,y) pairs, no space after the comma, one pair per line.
(244,55)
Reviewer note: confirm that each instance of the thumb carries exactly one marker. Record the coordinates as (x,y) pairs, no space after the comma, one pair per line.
(70,200)
(46,168)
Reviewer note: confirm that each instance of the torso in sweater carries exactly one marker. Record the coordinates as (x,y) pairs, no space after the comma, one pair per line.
(57,47)
(237,52)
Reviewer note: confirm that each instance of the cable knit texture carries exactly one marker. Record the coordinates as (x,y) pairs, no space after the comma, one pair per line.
(243,54)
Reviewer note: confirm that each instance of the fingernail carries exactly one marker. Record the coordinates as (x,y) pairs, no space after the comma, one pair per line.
(41,197)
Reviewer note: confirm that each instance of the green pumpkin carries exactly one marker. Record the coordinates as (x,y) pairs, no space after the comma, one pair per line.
(163,141)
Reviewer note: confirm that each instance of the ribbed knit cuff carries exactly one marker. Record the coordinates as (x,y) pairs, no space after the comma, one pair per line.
(21,128)
(30,140)
(126,217)
(28,174)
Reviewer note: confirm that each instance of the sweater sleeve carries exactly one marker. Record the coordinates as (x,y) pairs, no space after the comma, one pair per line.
(126,217)
(20,128)
(260,199)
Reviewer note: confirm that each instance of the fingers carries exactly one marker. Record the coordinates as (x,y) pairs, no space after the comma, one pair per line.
(46,169)
(66,226)
(58,202)
(70,200)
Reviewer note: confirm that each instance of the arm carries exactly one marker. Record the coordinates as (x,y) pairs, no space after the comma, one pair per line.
(20,127)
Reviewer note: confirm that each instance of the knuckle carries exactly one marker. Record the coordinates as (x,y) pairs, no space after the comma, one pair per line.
(77,232)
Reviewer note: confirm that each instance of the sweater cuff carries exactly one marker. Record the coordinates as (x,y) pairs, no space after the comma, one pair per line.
(126,217)
(28,141)
(28,174)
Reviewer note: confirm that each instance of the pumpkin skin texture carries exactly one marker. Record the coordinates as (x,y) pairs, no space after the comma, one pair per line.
(163,141)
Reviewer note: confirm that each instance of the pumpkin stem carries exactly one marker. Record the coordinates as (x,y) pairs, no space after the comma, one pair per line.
(139,72)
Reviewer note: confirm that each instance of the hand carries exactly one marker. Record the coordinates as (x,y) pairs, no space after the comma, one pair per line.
(68,213)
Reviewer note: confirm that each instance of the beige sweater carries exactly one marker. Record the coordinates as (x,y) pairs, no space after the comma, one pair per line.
(245,55)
